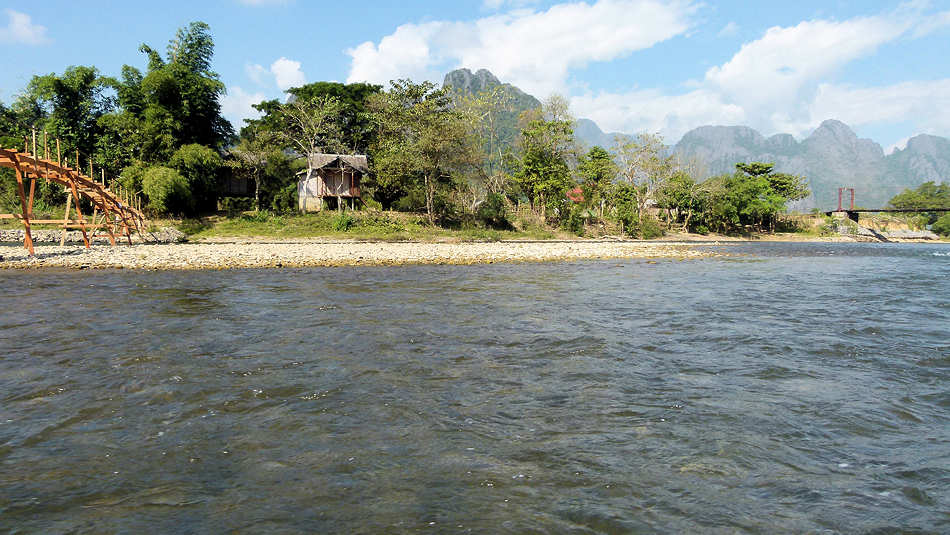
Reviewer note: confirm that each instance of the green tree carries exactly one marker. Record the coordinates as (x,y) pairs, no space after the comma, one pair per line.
(928,195)
(252,153)
(942,225)
(598,170)
(201,167)
(546,149)
(68,107)
(178,101)
(646,167)
(167,191)
(421,139)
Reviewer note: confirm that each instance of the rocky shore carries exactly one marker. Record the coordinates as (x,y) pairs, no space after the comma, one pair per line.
(330,253)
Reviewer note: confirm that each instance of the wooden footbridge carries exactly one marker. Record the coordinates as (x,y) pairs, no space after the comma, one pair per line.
(117,212)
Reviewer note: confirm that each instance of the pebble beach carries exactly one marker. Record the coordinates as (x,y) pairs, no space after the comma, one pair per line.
(329,253)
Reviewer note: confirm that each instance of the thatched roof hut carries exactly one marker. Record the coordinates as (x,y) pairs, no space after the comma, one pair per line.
(332,180)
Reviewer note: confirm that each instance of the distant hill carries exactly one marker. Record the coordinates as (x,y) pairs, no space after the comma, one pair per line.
(831,157)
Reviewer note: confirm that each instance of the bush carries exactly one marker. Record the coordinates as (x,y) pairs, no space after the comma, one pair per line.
(942,226)
(574,221)
(167,191)
(131,177)
(494,213)
(201,167)
(234,206)
(342,222)
(285,200)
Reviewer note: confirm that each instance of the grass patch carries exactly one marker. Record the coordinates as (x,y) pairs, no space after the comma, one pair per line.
(381,226)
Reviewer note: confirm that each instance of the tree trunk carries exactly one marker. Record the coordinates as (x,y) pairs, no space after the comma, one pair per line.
(429,194)
(257,194)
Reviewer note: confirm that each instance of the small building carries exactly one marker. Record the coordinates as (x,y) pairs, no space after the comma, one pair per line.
(333,182)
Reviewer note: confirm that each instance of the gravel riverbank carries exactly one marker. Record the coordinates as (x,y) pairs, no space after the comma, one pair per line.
(302,254)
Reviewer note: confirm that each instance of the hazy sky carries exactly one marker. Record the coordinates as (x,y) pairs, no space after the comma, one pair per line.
(631,65)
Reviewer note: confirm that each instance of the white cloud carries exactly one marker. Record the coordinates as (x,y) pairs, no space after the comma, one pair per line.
(288,74)
(498,4)
(653,111)
(534,50)
(729,30)
(256,73)
(932,24)
(779,83)
(236,105)
(928,102)
(20,29)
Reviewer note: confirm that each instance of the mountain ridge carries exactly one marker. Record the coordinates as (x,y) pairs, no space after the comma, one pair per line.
(832,156)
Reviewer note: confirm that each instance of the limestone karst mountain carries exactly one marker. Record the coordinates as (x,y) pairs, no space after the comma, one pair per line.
(832,156)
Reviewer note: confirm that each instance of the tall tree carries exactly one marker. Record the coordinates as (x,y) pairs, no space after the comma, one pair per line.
(547,150)
(178,101)
(312,125)
(645,168)
(420,137)
(598,170)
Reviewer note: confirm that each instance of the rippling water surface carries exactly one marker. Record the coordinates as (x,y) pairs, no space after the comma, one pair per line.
(797,388)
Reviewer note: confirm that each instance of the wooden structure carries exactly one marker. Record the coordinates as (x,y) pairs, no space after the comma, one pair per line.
(330,181)
(117,212)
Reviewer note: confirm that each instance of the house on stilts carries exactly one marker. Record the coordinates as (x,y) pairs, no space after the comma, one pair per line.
(332,182)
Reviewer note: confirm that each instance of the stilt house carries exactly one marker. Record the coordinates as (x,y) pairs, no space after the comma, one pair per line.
(333,182)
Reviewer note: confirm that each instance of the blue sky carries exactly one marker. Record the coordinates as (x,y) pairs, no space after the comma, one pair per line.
(631,65)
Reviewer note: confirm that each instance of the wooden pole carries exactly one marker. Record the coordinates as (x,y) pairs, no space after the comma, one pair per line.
(82,222)
(59,155)
(27,236)
(45,146)
(62,237)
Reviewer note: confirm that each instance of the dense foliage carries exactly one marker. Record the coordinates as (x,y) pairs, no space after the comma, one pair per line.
(928,195)
(460,159)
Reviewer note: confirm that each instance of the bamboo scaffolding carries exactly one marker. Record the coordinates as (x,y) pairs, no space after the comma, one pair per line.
(121,212)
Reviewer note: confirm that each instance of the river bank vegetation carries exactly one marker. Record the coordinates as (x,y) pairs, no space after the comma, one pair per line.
(472,164)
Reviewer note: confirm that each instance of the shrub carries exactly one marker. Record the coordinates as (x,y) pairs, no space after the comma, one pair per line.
(342,222)
(201,167)
(285,199)
(234,206)
(167,191)
(131,177)
(494,213)
(942,226)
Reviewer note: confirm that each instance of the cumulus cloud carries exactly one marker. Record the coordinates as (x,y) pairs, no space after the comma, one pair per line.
(778,83)
(257,73)
(534,50)
(498,4)
(237,105)
(288,73)
(20,29)
(729,30)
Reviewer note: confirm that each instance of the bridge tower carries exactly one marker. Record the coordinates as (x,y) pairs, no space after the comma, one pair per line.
(840,192)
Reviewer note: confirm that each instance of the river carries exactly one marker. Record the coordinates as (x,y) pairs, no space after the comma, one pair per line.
(788,388)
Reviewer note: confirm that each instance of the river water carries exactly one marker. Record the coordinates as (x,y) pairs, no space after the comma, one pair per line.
(791,388)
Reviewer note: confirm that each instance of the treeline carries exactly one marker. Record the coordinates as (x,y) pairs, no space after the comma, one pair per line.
(448,155)
(927,196)
(159,132)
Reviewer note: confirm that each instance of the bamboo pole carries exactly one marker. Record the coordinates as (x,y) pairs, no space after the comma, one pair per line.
(27,236)
(62,237)
(82,223)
